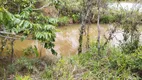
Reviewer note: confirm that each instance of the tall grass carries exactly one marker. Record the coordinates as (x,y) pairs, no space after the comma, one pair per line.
(111,65)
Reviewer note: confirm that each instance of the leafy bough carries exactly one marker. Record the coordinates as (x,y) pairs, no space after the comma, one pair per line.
(44,33)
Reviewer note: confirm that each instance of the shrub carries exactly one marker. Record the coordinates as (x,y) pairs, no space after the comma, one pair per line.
(128,47)
(76,18)
(25,65)
(63,21)
(31,51)
(107,18)
(111,64)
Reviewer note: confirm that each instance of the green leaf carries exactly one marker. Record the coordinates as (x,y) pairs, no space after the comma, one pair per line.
(46,45)
(36,51)
(9,16)
(23,38)
(26,24)
(17,21)
(21,23)
(1,9)
(1,16)
(53,51)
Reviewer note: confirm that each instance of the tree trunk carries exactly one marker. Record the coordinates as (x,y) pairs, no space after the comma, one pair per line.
(98,26)
(86,13)
(81,34)
(88,36)
(87,6)
(12,50)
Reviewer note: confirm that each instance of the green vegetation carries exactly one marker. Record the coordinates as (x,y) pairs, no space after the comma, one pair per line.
(107,19)
(22,78)
(26,24)
(63,21)
(25,20)
(112,64)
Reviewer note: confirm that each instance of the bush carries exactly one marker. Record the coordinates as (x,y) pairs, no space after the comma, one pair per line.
(63,21)
(26,65)
(111,64)
(128,47)
(76,18)
(31,51)
(107,19)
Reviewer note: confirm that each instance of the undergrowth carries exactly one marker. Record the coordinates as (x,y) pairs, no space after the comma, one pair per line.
(112,64)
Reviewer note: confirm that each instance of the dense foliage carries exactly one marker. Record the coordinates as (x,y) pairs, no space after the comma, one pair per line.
(112,64)
(28,21)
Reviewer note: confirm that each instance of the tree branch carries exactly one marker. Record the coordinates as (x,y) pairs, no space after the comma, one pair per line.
(42,7)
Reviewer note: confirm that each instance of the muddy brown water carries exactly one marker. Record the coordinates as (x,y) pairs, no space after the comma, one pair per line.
(66,42)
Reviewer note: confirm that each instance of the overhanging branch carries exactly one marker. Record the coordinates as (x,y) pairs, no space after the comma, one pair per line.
(42,7)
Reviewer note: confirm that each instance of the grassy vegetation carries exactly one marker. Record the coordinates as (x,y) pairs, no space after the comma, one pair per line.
(111,64)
